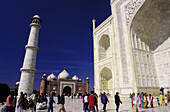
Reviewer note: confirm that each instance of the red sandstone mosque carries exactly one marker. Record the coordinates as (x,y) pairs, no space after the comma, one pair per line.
(63,84)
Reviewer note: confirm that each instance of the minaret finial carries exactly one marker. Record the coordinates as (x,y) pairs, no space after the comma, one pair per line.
(94,21)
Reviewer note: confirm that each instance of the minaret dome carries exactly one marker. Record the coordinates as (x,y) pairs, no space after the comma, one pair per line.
(36,19)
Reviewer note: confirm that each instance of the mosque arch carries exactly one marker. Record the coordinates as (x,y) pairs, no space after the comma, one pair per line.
(106,80)
(67,90)
(104,47)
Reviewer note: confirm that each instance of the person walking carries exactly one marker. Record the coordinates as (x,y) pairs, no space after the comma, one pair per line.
(104,101)
(85,102)
(162,99)
(34,98)
(139,100)
(168,96)
(151,100)
(58,96)
(142,97)
(20,102)
(162,90)
(31,104)
(117,101)
(135,102)
(96,101)
(9,104)
(91,101)
(51,101)
(145,100)
(61,103)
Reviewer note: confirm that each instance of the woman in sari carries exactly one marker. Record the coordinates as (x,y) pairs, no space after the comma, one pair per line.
(141,96)
(151,100)
(145,101)
(139,100)
(162,99)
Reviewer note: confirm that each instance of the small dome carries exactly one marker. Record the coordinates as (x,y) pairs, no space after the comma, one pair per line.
(17,83)
(36,16)
(87,78)
(44,75)
(51,77)
(75,77)
(64,75)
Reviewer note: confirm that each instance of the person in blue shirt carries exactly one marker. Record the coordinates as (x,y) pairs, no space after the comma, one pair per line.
(61,103)
(104,101)
(51,101)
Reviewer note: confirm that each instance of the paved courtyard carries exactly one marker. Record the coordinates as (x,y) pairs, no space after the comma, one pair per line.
(75,105)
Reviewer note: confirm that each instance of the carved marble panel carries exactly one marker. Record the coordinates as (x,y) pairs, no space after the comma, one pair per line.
(131,8)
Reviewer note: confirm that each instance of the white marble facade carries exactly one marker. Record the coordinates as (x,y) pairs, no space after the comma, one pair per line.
(132,48)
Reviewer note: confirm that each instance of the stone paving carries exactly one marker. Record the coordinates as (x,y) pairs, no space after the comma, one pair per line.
(75,105)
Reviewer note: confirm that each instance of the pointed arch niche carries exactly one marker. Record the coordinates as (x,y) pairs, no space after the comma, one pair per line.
(150,36)
(104,47)
(106,82)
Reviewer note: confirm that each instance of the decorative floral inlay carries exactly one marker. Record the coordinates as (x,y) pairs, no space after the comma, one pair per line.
(131,8)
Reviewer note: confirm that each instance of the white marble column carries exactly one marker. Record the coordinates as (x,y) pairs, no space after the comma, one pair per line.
(143,46)
(132,41)
(135,41)
(28,69)
(139,43)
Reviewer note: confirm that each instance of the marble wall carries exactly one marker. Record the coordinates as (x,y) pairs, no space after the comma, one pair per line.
(162,60)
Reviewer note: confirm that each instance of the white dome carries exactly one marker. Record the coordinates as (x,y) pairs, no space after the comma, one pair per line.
(36,16)
(51,77)
(17,83)
(75,77)
(64,75)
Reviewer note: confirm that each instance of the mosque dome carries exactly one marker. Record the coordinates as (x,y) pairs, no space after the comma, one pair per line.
(51,77)
(17,83)
(75,77)
(64,75)
(44,75)
(36,16)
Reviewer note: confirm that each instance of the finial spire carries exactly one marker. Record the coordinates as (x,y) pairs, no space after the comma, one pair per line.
(94,21)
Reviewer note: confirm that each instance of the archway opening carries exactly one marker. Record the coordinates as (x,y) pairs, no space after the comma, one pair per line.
(106,80)
(150,36)
(67,90)
(104,47)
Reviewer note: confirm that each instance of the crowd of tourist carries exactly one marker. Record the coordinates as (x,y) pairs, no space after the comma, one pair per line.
(144,100)
(33,102)
(90,101)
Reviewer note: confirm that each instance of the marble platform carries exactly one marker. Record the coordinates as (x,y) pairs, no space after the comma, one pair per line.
(76,105)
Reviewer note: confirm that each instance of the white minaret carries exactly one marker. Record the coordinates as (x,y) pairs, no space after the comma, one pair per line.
(28,69)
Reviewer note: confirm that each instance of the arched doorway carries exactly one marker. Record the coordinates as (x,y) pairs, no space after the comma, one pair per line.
(106,80)
(104,47)
(67,90)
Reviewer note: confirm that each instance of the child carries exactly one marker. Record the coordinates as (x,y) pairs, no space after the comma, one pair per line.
(158,101)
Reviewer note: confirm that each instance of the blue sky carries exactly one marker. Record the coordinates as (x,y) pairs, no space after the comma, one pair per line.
(65,40)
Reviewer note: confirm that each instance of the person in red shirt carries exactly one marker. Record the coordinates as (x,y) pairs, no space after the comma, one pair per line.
(91,102)
(9,104)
